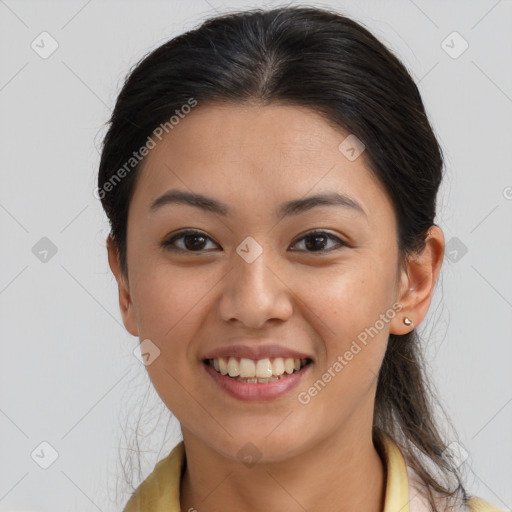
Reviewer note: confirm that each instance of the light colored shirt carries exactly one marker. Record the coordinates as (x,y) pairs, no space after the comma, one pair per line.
(160,491)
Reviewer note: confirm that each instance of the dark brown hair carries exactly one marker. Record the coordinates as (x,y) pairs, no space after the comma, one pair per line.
(329,63)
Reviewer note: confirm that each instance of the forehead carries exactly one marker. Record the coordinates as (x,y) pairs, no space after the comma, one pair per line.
(262,132)
(253,154)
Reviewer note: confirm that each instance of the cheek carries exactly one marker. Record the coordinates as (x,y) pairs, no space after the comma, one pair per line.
(353,294)
(352,314)
(170,304)
(167,298)
(348,305)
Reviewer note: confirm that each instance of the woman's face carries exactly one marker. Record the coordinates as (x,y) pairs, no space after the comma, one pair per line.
(254,282)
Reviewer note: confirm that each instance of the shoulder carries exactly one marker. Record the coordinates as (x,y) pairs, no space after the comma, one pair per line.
(418,501)
(160,490)
(476,504)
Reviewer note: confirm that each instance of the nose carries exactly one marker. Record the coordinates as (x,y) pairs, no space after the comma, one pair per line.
(255,293)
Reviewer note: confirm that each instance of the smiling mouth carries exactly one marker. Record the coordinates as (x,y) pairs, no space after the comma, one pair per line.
(261,371)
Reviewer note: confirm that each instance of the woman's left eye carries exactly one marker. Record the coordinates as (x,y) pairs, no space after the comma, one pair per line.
(319,240)
(194,241)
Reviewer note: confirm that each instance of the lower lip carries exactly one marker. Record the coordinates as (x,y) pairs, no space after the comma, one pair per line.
(256,391)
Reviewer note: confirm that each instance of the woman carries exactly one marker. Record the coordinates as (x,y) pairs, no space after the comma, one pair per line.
(270,179)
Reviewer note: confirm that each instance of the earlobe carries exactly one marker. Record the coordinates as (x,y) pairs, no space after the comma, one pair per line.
(417,282)
(125,301)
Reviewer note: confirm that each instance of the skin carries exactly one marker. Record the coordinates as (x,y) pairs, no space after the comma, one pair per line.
(314,457)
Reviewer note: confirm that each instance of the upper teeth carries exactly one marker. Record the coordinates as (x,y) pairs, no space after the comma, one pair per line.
(262,368)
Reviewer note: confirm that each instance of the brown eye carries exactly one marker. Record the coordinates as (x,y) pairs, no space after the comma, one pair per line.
(316,241)
(190,241)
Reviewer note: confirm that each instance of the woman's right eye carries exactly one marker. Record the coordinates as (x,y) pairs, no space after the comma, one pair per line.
(192,241)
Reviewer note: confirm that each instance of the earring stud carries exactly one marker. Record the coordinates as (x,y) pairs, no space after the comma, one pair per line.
(407,321)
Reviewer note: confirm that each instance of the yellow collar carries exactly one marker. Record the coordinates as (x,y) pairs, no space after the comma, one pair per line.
(160,491)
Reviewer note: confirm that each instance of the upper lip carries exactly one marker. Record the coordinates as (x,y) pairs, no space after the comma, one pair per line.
(255,352)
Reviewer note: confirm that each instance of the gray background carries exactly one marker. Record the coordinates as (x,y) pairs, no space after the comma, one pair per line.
(68,375)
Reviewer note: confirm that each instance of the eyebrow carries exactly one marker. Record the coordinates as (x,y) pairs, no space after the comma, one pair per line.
(294,207)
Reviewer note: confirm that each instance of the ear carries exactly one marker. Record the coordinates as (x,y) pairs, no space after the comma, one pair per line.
(417,281)
(125,301)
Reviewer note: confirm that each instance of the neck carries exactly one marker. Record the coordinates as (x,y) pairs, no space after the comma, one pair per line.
(343,473)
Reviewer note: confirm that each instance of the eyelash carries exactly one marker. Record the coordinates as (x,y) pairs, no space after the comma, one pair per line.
(169,244)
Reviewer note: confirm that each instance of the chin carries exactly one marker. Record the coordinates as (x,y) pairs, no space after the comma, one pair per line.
(261,447)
